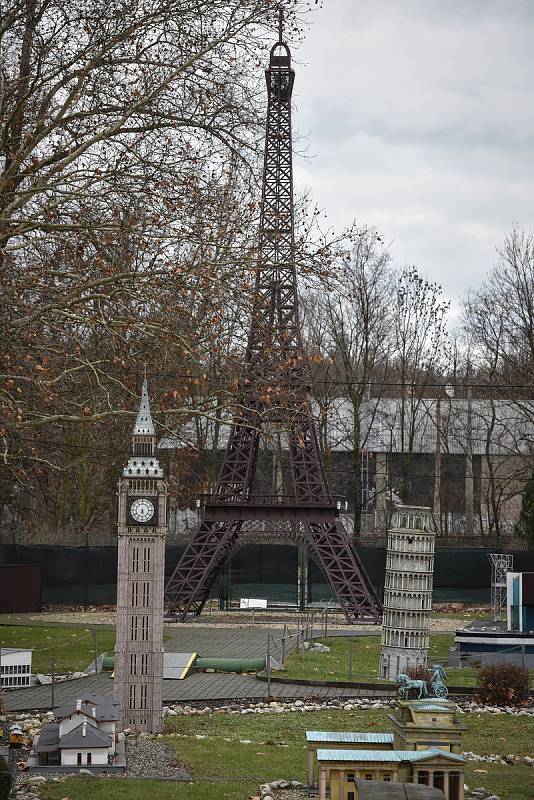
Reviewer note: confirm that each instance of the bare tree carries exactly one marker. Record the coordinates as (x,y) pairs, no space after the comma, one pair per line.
(349,323)
(116,125)
(499,320)
(129,138)
(421,352)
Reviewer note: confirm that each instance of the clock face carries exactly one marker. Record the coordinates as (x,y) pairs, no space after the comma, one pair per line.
(142,510)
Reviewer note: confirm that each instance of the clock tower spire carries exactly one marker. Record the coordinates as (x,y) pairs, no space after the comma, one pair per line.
(142,527)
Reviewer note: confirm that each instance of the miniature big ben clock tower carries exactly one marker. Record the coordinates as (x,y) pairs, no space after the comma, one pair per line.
(142,526)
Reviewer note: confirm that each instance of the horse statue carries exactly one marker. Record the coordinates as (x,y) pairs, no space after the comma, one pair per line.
(438,676)
(406,683)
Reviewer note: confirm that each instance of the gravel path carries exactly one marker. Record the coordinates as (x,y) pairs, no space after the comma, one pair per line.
(220,620)
(150,758)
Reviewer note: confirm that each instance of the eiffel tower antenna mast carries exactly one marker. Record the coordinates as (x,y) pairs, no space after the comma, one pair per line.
(274,394)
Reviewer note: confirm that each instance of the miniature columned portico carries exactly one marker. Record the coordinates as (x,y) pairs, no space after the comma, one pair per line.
(425,748)
(338,771)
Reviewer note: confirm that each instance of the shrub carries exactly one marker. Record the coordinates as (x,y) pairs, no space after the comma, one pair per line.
(5,780)
(503,684)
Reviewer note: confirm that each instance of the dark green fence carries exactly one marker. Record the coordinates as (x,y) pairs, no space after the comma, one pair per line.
(88,575)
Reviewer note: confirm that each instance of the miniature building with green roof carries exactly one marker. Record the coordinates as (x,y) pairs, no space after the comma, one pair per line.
(339,769)
(424,748)
(421,724)
(326,740)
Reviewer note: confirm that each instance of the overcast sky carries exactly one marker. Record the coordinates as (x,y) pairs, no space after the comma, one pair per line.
(419,120)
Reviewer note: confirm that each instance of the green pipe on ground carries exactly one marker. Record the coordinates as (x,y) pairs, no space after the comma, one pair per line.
(218,664)
(231,664)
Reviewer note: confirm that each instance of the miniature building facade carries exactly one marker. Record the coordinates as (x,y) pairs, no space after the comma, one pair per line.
(425,748)
(407,591)
(84,734)
(15,667)
(334,740)
(340,769)
(520,601)
(423,724)
(142,527)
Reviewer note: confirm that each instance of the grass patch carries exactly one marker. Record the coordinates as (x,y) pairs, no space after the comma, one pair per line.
(224,766)
(71,647)
(508,783)
(132,789)
(334,666)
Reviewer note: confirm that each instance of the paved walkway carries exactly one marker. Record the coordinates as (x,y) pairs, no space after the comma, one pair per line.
(199,687)
(207,642)
(225,642)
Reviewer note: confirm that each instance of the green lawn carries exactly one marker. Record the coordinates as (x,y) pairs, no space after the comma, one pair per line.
(508,783)
(235,753)
(71,647)
(334,666)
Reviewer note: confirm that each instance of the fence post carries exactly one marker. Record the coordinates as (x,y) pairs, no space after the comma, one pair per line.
(53,670)
(284,645)
(86,564)
(269,666)
(94,648)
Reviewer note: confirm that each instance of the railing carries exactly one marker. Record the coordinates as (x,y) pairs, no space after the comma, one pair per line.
(337,501)
(306,624)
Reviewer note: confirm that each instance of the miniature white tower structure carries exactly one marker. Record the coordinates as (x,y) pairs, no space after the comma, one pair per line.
(407,591)
(501,565)
(142,526)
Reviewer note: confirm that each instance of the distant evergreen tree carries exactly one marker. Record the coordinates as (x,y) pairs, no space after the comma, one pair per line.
(525,524)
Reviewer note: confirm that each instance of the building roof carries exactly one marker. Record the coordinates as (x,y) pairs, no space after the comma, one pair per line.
(48,738)
(355,737)
(177,665)
(429,705)
(93,738)
(97,699)
(104,711)
(8,651)
(144,425)
(391,790)
(394,756)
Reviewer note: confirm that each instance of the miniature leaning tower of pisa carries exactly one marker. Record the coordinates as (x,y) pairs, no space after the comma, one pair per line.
(407,591)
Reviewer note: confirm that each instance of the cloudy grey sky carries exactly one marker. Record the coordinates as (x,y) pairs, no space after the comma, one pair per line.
(419,120)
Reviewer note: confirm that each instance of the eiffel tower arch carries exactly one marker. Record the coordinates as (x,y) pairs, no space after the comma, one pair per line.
(273,399)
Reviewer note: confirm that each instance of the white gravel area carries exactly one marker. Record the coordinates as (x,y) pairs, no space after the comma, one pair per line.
(233,620)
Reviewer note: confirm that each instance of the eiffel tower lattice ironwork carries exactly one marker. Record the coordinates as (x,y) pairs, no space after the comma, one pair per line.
(273,392)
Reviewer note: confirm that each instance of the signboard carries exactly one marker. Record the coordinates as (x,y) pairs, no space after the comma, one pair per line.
(252,602)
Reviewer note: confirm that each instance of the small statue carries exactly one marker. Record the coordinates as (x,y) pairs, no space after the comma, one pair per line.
(438,676)
(406,683)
